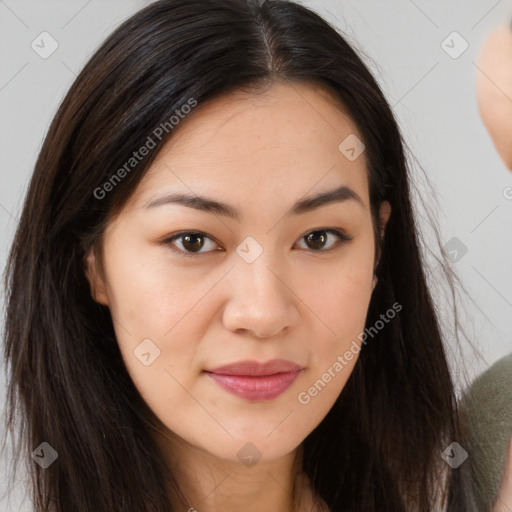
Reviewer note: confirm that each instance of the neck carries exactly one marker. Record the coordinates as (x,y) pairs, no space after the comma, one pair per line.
(210,484)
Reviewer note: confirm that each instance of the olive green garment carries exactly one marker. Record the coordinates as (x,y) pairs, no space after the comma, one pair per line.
(486,414)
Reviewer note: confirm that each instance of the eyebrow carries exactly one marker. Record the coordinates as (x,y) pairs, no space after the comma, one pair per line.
(208,205)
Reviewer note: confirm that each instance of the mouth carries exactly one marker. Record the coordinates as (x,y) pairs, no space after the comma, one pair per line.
(254,381)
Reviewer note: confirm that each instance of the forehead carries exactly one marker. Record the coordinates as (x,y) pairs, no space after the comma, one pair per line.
(281,143)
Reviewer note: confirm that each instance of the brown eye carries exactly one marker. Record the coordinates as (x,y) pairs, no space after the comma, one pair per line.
(316,239)
(191,242)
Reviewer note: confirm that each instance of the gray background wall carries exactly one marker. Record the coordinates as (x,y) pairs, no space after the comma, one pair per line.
(432,94)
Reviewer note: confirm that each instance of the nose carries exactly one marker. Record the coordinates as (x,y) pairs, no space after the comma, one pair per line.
(261,300)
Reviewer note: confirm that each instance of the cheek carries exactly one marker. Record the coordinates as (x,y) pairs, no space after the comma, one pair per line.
(340,294)
(341,304)
(159,321)
(150,295)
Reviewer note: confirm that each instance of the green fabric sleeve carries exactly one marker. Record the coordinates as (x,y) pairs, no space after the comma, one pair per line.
(486,416)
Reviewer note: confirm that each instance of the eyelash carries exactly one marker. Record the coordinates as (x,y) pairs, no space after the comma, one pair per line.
(169,241)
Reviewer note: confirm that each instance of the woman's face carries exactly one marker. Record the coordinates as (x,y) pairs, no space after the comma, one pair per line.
(264,280)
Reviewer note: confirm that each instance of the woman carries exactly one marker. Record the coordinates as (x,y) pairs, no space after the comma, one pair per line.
(216,293)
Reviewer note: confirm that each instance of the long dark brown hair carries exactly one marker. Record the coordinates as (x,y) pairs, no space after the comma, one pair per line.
(379,447)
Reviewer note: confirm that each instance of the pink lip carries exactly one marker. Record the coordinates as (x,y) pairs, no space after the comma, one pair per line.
(256,381)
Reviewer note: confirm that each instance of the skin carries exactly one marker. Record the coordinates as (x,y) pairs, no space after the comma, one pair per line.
(494,94)
(503,502)
(494,90)
(260,154)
